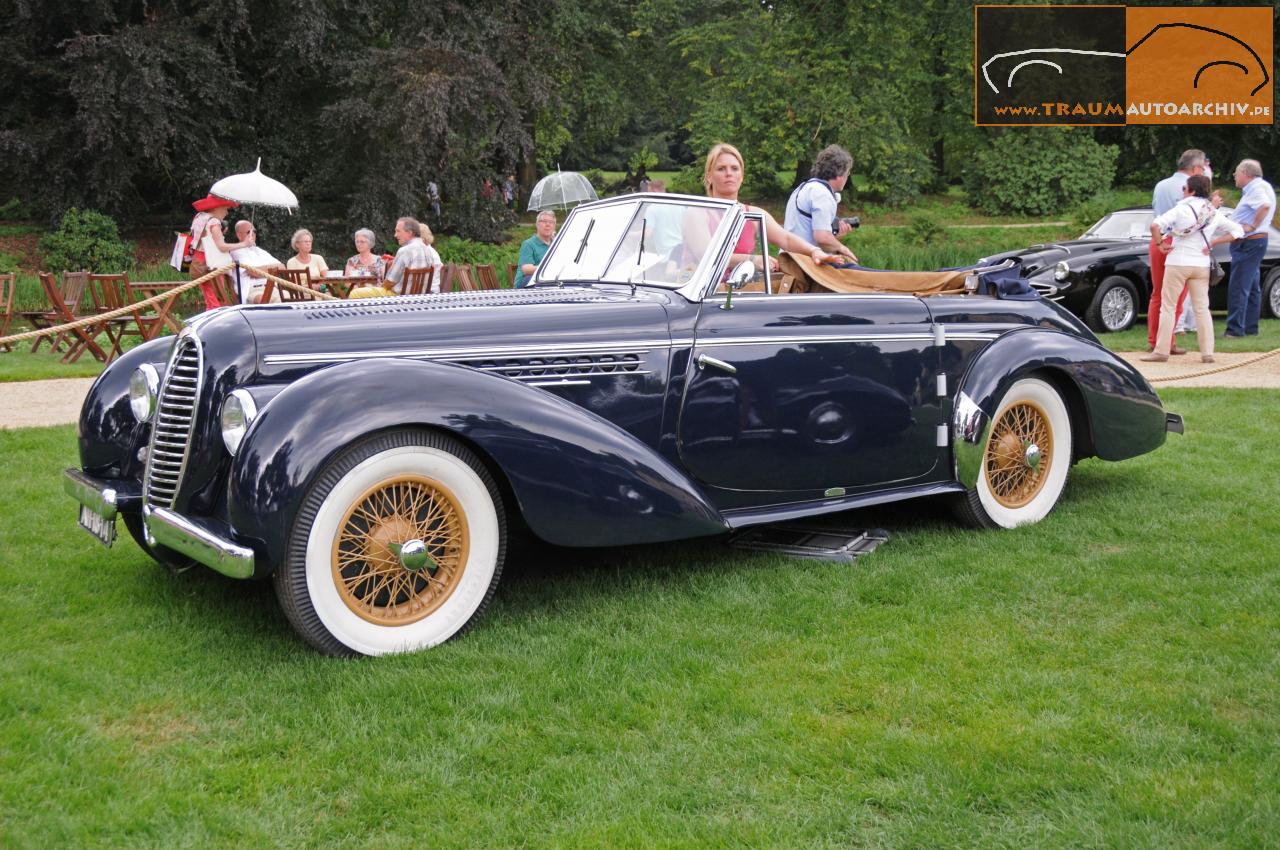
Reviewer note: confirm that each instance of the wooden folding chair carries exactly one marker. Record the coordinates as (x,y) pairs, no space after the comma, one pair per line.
(300,277)
(446,278)
(512,269)
(486,276)
(7,285)
(46,318)
(417,281)
(462,279)
(83,336)
(111,292)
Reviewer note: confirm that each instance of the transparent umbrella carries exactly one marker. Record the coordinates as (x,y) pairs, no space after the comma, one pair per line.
(560,190)
(255,188)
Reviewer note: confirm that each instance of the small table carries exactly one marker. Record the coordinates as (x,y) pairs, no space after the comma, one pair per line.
(342,286)
(163,308)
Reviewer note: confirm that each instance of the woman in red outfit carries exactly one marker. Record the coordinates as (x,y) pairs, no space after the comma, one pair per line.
(211,211)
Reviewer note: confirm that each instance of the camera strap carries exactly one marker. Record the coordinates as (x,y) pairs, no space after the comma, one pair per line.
(809,213)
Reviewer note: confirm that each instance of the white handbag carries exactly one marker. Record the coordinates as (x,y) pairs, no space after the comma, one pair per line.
(213,258)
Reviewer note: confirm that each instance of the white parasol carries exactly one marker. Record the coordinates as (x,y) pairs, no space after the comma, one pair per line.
(254,187)
(560,190)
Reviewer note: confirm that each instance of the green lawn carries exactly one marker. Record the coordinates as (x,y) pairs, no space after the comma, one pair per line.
(1135,339)
(1107,678)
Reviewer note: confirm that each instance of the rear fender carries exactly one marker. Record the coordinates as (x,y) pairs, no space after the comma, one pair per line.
(579,480)
(1115,412)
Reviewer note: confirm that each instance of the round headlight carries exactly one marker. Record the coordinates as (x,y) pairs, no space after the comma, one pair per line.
(238,413)
(1061,270)
(144,388)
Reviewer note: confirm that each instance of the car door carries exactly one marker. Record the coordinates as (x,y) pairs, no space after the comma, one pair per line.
(808,393)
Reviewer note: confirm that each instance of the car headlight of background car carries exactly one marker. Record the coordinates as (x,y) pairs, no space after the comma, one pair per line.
(238,413)
(144,389)
(1061,271)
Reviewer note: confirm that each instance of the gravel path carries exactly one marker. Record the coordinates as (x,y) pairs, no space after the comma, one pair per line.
(27,404)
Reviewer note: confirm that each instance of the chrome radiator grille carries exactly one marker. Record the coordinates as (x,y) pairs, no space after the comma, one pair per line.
(175,414)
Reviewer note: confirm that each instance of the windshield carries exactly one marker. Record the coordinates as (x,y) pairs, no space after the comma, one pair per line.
(1133,224)
(645,241)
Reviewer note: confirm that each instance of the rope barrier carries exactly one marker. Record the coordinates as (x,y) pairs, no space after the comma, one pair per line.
(138,306)
(1215,370)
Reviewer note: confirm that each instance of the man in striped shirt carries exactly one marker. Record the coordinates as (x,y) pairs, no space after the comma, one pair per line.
(413,253)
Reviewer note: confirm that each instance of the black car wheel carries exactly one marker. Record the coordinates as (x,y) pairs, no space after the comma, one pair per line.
(1271,293)
(1025,460)
(1114,307)
(398,546)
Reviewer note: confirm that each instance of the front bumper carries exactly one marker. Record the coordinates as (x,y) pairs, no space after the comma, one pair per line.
(194,538)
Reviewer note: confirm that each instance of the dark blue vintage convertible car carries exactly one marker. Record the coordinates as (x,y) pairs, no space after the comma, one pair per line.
(657,382)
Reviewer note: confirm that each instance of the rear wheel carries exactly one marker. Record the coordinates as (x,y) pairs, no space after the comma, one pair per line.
(1271,294)
(1114,307)
(398,546)
(1025,459)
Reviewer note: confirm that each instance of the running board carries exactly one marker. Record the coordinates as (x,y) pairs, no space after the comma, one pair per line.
(801,540)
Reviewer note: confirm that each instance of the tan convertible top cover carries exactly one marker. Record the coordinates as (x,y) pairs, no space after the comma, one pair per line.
(811,277)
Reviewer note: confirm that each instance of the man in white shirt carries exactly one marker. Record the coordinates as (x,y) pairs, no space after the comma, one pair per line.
(250,284)
(811,209)
(1254,213)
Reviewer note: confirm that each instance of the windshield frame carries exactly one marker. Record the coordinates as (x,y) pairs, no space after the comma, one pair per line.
(1146,231)
(692,290)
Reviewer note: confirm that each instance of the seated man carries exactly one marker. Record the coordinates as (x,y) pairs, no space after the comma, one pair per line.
(250,284)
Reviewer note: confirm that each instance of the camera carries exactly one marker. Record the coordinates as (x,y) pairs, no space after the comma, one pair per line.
(853,221)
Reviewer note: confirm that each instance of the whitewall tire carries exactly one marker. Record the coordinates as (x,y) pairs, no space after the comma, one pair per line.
(398,546)
(1025,459)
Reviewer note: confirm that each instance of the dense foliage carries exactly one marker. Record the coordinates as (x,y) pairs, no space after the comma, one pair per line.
(86,239)
(136,108)
(1039,173)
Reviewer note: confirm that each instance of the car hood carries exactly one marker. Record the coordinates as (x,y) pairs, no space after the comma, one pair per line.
(541,321)
(1039,258)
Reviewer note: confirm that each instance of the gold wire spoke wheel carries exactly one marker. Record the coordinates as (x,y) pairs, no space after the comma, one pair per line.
(367,569)
(1013,478)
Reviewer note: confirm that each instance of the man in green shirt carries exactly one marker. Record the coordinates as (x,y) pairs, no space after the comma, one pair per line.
(533,249)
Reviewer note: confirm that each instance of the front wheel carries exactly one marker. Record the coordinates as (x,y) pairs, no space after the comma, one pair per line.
(1271,294)
(1025,459)
(398,546)
(1114,307)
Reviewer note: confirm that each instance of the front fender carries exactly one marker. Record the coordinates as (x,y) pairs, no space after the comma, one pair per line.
(1122,414)
(109,434)
(579,480)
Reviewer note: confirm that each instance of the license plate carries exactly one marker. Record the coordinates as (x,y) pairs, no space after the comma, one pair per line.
(99,526)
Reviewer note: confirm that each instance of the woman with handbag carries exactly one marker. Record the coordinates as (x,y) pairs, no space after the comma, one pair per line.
(1194,222)
(211,211)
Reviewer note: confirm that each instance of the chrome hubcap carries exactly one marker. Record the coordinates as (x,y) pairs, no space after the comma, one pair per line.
(1031,456)
(413,556)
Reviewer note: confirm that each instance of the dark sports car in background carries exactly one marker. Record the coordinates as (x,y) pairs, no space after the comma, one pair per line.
(1105,275)
(652,384)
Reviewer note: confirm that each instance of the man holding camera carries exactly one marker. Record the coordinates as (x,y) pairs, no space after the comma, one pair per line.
(811,209)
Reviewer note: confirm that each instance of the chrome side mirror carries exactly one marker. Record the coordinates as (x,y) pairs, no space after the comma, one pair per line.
(742,275)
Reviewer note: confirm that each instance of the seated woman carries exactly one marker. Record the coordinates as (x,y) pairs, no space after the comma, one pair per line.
(365,263)
(304,259)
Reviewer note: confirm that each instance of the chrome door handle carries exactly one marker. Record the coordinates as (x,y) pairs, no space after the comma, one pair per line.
(704,361)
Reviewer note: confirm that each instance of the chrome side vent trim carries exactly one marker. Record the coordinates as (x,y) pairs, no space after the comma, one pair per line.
(171,434)
(558,366)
